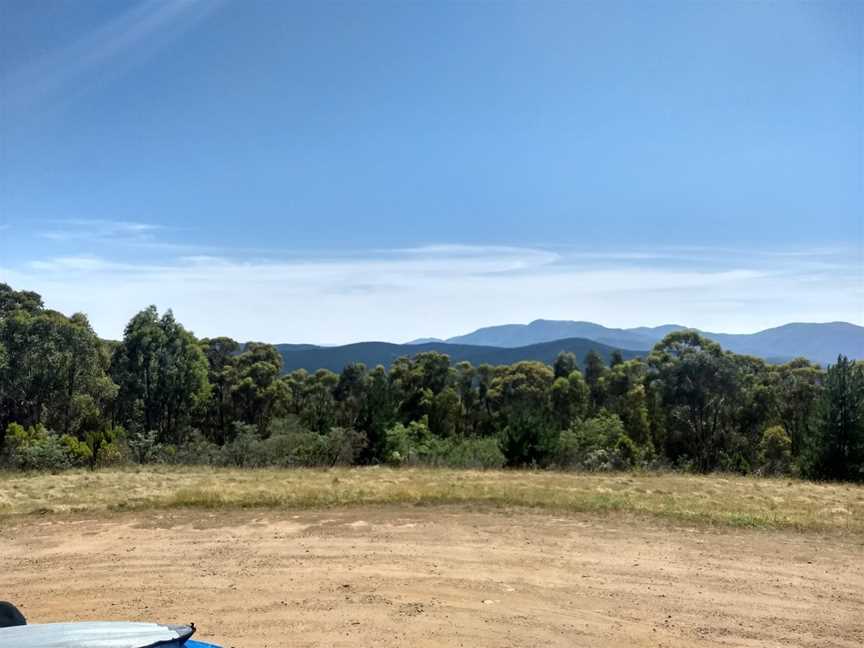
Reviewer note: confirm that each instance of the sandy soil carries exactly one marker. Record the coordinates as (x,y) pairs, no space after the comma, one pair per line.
(407,576)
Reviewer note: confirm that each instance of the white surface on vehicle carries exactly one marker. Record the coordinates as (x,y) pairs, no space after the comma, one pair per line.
(93,635)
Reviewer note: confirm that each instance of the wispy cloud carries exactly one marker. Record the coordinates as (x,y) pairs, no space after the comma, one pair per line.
(97,229)
(112,48)
(437,290)
(81,264)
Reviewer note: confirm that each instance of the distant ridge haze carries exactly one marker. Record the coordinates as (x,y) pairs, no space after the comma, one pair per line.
(311,358)
(542,340)
(819,342)
(516,335)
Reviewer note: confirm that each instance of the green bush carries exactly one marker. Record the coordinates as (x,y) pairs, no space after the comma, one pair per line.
(627,451)
(775,451)
(528,440)
(483,453)
(143,445)
(36,448)
(242,450)
(197,451)
(732,461)
(291,445)
(344,446)
(598,443)
(78,451)
(104,447)
(338,446)
(414,445)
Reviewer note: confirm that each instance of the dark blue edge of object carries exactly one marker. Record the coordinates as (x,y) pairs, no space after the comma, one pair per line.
(198,644)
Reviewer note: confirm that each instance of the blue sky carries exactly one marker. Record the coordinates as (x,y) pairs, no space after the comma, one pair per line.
(326,172)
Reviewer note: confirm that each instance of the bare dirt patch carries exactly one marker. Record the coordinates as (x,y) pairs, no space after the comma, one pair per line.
(438,576)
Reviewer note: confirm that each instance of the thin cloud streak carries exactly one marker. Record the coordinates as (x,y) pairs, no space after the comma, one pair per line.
(112,48)
(80,229)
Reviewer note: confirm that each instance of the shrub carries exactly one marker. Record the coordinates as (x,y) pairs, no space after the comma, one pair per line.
(143,445)
(411,444)
(103,446)
(397,445)
(36,448)
(415,445)
(775,451)
(598,443)
(16,435)
(289,448)
(483,453)
(241,451)
(196,451)
(732,461)
(627,451)
(78,451)
(292,445)
(528,440)
(344,446)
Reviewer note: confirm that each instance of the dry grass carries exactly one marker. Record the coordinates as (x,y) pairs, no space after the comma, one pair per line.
(715,499)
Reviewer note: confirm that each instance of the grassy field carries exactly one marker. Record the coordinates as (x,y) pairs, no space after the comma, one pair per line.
(715,499)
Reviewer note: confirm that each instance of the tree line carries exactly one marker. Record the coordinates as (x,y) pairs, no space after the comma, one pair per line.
(160,394)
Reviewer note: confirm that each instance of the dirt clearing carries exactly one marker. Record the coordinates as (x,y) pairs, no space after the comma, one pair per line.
(438,576)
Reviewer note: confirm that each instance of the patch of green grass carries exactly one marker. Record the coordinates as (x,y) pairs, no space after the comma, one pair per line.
(721,500)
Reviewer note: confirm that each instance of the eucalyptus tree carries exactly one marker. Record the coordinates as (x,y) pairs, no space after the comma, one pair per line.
(351,393)
(625,395)
(519,397)
(160,365)
(695,382)
(221,374)
(52,368)
(318,412)
(796,388)
(565,364)
(86,392)
(594,369)
(379,416)
(569,399)
(256,388)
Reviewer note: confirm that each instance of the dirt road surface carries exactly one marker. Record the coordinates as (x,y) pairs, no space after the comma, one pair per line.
(408,576)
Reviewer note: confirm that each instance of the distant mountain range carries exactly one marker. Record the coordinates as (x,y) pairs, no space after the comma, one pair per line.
(543,340)
(818,342)
(516,335)
(312,358)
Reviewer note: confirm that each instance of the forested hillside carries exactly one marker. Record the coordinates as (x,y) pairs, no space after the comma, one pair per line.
(312,358)
(162,395)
